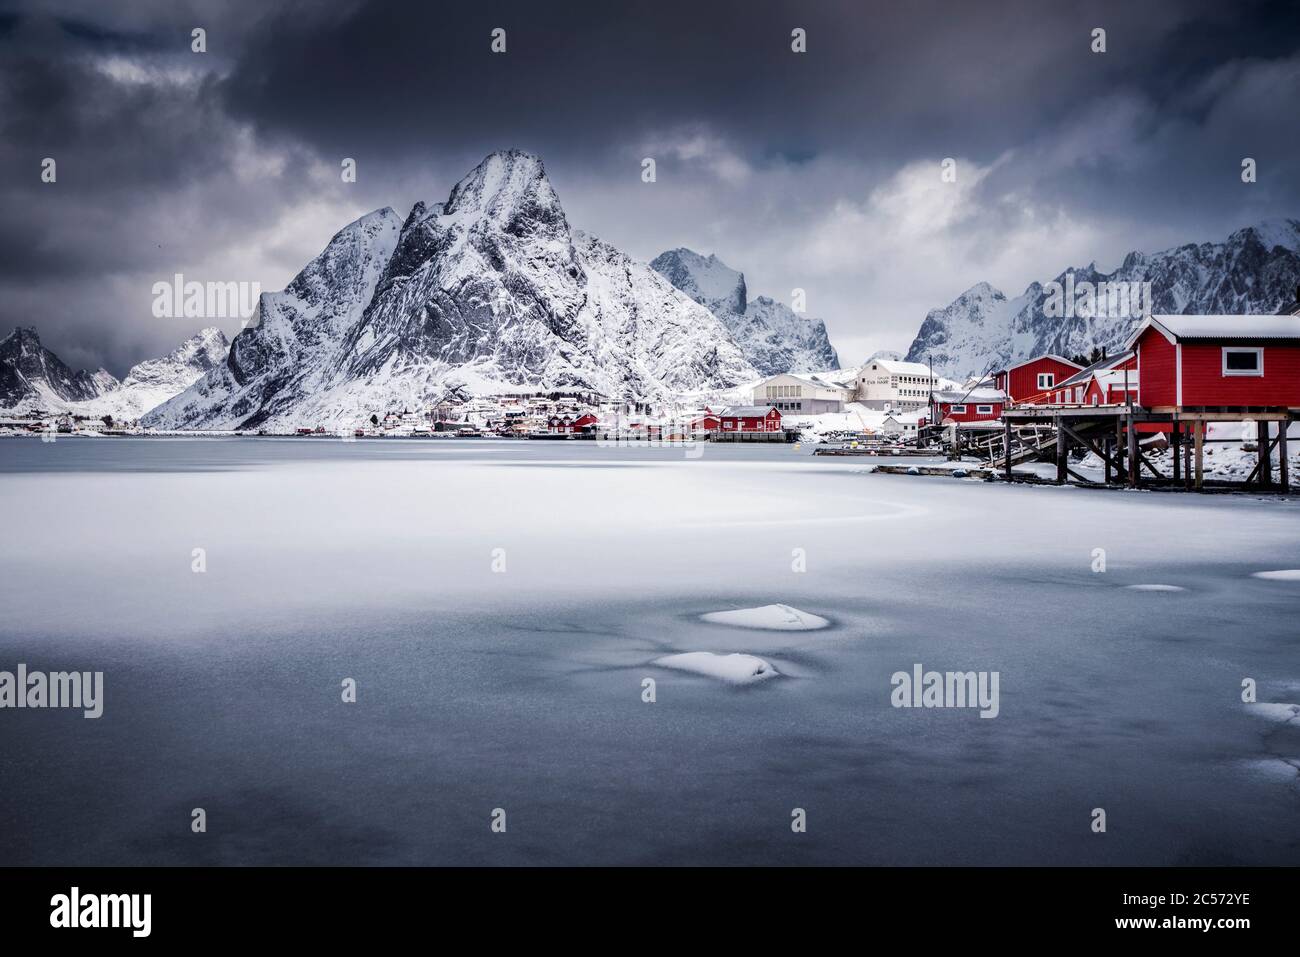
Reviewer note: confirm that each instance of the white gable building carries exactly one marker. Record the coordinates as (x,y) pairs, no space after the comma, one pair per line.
(893,384)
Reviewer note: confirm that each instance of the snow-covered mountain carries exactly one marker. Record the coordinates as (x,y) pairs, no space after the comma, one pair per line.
(773,337)
(150,383)
(489,289)
(1256,270)
(32,378)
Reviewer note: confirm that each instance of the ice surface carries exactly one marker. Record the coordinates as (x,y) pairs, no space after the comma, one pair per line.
(521,687)
(734,668)
(771,617)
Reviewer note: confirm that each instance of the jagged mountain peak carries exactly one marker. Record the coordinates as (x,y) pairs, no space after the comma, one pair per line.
(490,289)
(1254,270)
(773,337)
(507,185)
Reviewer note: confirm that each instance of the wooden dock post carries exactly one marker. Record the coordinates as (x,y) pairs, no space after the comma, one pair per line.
(1265,452)
(1006,446)
(1200,454)
(1108,446)
(1133,463)
(1061,441)
(1285,477)
(1176,441)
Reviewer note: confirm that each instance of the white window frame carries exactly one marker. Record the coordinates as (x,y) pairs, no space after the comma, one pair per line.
(1259,360)
(1046,380)
(957,409)
(983,410)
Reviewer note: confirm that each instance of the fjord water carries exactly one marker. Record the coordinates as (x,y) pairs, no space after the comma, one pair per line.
(521,688)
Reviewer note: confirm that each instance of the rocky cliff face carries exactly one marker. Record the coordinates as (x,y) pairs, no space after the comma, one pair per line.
(32,378)
(489,289)
(773,337)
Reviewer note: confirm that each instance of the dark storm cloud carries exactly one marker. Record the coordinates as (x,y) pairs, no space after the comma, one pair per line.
(803,170)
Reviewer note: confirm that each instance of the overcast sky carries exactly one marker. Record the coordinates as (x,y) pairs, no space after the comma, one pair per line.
(818,170)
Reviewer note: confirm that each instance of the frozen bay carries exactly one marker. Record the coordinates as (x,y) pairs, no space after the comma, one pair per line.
(499,604)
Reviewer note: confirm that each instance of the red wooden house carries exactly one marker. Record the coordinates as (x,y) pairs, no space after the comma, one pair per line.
(1111,387)
(1218,361)
(708,422)
(750,418)
(1033,380)
(973,405)
(571,422)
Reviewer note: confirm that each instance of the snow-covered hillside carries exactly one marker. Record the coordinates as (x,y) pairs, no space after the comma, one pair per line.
(150,383)
(773,337)
(1256,270)
(32,378)
(490,288)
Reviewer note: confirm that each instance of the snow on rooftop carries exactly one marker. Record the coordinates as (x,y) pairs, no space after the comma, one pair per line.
(1231,327)
(899,367)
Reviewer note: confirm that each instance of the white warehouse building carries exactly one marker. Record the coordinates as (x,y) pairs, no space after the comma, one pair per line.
(801,393)
(893,384)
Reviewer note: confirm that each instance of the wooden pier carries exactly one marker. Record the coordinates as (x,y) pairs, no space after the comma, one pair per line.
(1112,434)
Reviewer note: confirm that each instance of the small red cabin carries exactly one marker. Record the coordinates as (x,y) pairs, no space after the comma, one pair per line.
(708,422)
(1110,388)
(750,418)
(974,405)
(1224,361)
(571,422)
(1033,380)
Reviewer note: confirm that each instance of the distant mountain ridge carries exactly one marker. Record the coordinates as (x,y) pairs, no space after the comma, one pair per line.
(1255,270)
(32,378)
(772,336)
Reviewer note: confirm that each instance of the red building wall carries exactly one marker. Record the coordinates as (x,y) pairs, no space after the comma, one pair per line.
(1023,384)
(1205,384)
(1157,365)
(970,415)
(769,423)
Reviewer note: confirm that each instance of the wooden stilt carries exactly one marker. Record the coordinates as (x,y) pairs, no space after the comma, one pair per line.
(1285,477)
(1108,445)
(1134,465)
(1176,441)
(1263,442)
(1200,455)
(1006,447)
(1061,441)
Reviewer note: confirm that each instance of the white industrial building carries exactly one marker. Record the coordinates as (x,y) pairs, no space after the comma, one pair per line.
(893,384)
(801,393)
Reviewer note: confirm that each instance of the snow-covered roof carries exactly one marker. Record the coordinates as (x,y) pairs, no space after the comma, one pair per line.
(969,395)
(899,367)
(1115,378)
(808,378)
(1101,365)
(746,411)
(1220,327)
(1025,362)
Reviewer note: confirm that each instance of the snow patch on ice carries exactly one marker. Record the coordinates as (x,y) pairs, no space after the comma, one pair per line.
(769,617)
(1281,575)
(736,668)
(1155,587)
(1274,711)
